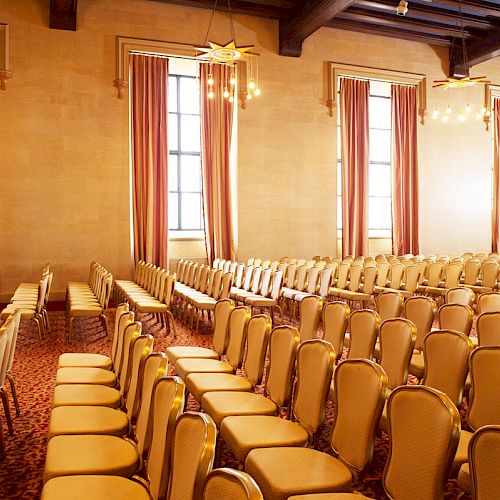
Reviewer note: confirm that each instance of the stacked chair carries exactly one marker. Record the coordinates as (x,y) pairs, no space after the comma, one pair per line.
(89,300)
(31,300)
(150,293)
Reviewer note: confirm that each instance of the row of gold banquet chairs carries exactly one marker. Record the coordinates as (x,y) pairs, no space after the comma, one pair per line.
(31,300)
(298,377)
(89,300)
(118,429)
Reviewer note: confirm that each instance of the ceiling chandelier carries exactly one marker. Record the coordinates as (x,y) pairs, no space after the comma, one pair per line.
(462,83)
(229,55)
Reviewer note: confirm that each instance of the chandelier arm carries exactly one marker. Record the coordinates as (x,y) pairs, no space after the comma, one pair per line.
(464,45)
(211,20)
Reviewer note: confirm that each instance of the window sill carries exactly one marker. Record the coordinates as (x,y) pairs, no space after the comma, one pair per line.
(186,235)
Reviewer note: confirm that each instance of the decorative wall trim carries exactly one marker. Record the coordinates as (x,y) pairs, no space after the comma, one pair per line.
(491,91)
(5,72)
(403,77)
(126,46)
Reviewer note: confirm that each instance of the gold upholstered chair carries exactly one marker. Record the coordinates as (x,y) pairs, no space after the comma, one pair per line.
(460,295)
(484,399)
(220,337)
(95,419)
(364,325)
(258,330)
(489,277)
(315,360)
(271,301)
(479,476)
(335,321)
(231,484)
(282,472)
(456,317)
(364,292)
(310,314)
(110,455)
(389,304)
(238,322)
(488,329)
(488,302)
(283,344)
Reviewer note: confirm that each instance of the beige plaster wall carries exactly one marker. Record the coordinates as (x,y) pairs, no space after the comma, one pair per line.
(64,146)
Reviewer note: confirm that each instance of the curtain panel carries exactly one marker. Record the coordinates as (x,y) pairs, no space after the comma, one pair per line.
(216,131)
(496,176)
(404,156)
(354,103)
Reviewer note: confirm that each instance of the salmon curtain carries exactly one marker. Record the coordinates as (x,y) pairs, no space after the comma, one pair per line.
(354,97)
(149,117)
(405,236)
(496,177)
(216,129)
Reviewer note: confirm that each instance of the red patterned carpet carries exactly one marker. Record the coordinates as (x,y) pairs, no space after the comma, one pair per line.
(34,371)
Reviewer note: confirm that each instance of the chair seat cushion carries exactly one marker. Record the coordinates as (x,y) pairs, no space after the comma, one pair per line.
(247,432)
(478,289)
(184,351)
(288,293)
(207,304)
(283,472)
(185,366)
(259,301)
(200,383)
(93,488)
(72,455)
(151,307)
(84,359)
(85,310)
(79,375)
(86,395)
(349,295)
(464,479)
(220,405)
(25,313)
(335,291)
(434,290)
(87,420)
(417,366)
(462,454)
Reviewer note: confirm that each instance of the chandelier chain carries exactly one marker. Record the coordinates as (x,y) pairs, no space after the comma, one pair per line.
(211,20)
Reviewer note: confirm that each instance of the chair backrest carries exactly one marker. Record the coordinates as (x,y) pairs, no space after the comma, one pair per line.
(274,265)
(456,317)
(130,335)
(389,305)
(488,329)
(7,331)
(484,460)
(325,278)
(16,320)
(291,274)
(355,278)
(435,271)
(335,321)
(192,456)
(169,289)
(419,415)
(142,348)
(121,323)
(258,331)
(459,295)
(210,280)
(446,355)
(452,275)
(364,325)
(215,263)
(167,406)
(370,277)
(343,274)
(420,311)
(226,483)
(197,276)
(397,273)
(412,274)
(222,312)
(283,344)
(489,271)
(383,273)
(397,339)
(215,289)
(310,314)
(155,367)
(266,264)
(250,261)
(227,280)
(360,388)
(192,275)
(238,280)
(315,360)
(300,284)
(227,266)
(256,279)
(277,281)
(471,271)
(238,322)
(247,281)
(205,273)
(488,302)
(312,279)
(484,397)
(265,284)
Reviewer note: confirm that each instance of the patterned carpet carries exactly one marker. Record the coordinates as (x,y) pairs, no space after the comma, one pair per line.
(34,371)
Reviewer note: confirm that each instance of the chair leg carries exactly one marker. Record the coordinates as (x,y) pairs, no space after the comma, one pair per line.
(171,322)
(104,321)
(45,315)
(6,409)
(39,325)
(2,444)
(70,328)
(14,393)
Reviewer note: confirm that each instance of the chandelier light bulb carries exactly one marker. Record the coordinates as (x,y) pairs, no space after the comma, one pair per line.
(210,80)
(249,96)
(488,113)
(257,91)
(435,114)
(445,118)
(461,117)
(251,84)
(483,110)
(211,94)
(226,93)
(231,99)
(468,108)
(232,81)
(448,109)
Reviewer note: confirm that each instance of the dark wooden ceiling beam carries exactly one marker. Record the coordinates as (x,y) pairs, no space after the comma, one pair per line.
(478,50)
(424,14)
(309,16)
(373,29)
(63,14)
(477,7)
(273,9)
(401,23)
